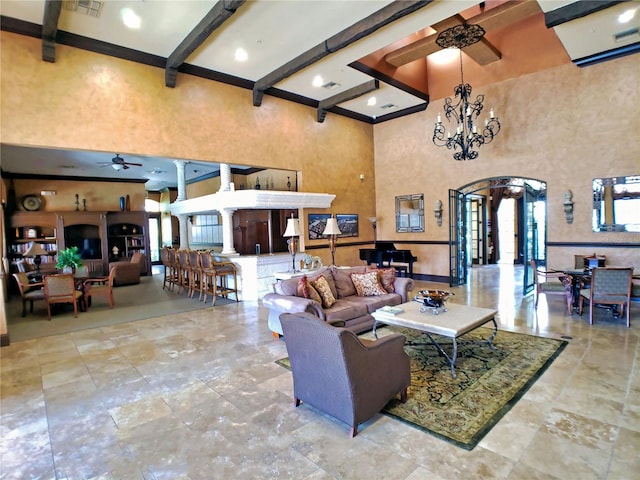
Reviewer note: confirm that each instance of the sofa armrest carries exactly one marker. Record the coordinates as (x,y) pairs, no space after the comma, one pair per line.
(292,304)
(402,286)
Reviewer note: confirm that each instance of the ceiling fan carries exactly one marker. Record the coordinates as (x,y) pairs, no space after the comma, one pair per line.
(119,163)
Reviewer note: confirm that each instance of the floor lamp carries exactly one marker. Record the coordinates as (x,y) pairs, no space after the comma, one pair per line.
(292,231)
(332,230)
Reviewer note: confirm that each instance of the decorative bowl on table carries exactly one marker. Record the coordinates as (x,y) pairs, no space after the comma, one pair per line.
(434,300)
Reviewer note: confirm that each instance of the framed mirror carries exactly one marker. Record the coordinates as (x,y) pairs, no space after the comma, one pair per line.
(616,203)
(410,213)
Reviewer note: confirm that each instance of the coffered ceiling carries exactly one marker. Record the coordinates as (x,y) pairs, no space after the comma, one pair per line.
(332,55)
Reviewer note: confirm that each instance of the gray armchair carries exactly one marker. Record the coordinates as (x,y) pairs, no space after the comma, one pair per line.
(334,371)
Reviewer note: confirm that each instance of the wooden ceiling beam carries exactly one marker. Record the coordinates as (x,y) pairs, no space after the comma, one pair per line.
(483,52)
(219,14)
(345,96)
(346,37)
(50,18)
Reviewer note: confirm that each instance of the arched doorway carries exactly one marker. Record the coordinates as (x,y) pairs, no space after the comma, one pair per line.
(530,240)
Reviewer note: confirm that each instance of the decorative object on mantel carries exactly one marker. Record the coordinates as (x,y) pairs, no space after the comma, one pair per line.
(289,183)
(77,202)
(466,136)
(374,224)
(84,204)
(127,203)
(292,231)
(332,230)
(437,211)
(69,259)
(568,206)
(31,203)
(257,183)
(122,204)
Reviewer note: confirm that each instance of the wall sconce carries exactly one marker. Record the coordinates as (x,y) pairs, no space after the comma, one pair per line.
(437,211)
(568,206)
(374,224)
(362,177)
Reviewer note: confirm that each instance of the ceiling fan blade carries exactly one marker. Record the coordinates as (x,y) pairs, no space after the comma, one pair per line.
(133,164)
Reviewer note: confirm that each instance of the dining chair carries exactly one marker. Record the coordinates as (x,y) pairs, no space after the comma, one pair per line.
(61,288)
(550,282)
(609,286)
(29,292)
(102,286)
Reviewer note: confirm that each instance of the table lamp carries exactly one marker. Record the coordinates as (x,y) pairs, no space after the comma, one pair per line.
(292,231)
(35,250)
(332,230)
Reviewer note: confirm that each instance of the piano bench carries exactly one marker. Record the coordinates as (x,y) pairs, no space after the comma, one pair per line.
(401,270)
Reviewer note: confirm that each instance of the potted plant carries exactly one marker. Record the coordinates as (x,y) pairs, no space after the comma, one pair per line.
(69,259)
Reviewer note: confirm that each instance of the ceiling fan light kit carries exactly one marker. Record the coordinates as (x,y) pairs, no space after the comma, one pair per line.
(467,135)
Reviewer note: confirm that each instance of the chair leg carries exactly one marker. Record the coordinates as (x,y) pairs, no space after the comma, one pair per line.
(354,431)
(49,310)
(296,402)
(403,396)
(24,307)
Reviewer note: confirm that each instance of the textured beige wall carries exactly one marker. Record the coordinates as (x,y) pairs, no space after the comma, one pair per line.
(564,126)
(94,102)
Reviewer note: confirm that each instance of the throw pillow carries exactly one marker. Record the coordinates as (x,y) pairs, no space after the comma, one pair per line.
(387,276)
(329,278)
(367,284)
(306,290)
(322,286)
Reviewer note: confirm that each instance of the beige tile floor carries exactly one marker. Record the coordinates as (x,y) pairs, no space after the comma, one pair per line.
(197,395)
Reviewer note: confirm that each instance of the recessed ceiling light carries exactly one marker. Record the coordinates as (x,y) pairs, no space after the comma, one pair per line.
(371,102)
(130,18)
(627,15)
(317,81)
(241,55)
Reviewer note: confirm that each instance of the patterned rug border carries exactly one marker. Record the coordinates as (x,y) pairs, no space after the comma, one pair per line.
(499,414)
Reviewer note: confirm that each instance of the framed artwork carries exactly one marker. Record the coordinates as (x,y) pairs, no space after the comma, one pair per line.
(348,225)
(316,222)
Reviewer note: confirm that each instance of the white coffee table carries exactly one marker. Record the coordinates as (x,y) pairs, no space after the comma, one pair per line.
(455,322)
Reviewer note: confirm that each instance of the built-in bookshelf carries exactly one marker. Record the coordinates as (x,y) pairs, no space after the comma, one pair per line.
(27,228)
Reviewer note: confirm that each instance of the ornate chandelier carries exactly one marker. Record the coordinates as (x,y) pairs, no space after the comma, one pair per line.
(467,136)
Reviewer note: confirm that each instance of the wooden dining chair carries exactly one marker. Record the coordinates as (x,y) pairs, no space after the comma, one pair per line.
(61,288)
(100,287)
(609,286)
(552,283)
(29,292)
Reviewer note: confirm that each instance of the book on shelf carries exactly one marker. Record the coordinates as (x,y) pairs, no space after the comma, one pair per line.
(391,310)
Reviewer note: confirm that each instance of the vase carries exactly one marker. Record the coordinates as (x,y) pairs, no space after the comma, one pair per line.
(128,203)
(122,204)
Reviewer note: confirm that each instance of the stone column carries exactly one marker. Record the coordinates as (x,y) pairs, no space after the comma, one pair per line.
(182,195)
(182,184)
(225,177)
(227,232)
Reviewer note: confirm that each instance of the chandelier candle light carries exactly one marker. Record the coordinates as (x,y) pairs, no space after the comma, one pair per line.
(292,231)
(333,230)
(467,135)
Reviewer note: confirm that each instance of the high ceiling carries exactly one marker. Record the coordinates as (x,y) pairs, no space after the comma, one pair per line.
(355,50)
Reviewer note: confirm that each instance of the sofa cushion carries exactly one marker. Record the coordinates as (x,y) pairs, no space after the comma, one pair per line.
(287,287)
(344,285)
(367,284)
(371,304)
(323,288)
(345,310)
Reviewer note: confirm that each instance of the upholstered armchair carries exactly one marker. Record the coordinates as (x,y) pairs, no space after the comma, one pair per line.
(127,272)
(609,286)
(346,377)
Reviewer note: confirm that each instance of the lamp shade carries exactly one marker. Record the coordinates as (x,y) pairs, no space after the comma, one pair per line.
(332,227)
(34,250)
(293,228)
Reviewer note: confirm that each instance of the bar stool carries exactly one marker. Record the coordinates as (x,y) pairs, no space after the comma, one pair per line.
(225,270)
(182,263)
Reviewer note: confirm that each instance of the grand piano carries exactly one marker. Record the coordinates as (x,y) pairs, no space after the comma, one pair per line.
(386,254)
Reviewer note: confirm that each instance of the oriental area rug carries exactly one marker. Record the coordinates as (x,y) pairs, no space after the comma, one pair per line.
(488,382)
